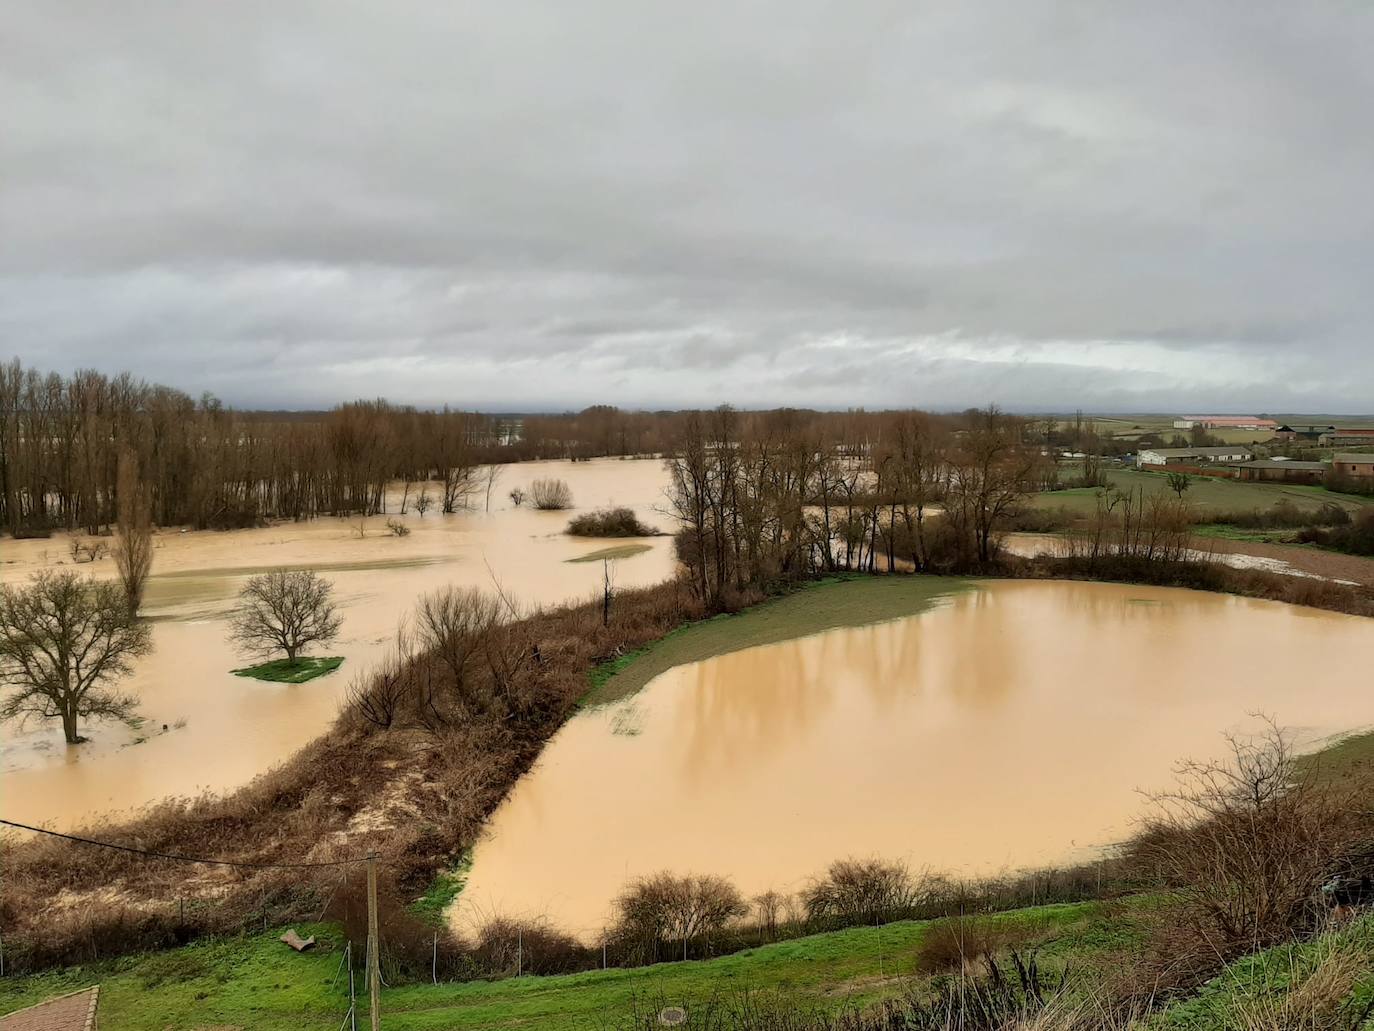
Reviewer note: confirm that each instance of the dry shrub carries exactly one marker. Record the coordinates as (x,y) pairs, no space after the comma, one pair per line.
(665,916)
(610,522)
(504,946)
(1247,844)
(551,495)
(410,946)
(959,942)
(860,891)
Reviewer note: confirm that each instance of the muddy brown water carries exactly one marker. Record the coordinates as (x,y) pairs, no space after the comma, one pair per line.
(1014,725)
(236,727)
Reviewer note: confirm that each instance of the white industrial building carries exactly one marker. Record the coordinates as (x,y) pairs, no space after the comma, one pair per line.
(1192,455)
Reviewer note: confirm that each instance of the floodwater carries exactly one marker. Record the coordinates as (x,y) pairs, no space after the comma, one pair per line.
(1012,726)
(236,727)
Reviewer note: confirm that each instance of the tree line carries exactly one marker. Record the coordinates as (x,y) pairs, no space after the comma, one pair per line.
(778,495)
(207,465)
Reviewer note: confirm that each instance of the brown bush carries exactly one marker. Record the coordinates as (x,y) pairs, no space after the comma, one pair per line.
(610,522)
(551,495)
(410,946)
(665,916)
(503,947)
(860,891)
(1248,843)
(960,942)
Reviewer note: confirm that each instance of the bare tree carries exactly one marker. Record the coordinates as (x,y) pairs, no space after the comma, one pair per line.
(490,474)
(285,610)
(133,550)
(607,591)
(423,502)
(455,624)
(62,641)
(667,910)
(517,496)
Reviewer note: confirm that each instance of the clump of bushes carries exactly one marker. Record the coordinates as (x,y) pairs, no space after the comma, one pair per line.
(1032,519)
(960,942)
(860,891)
(504,947)
(672,917)
(1355,538)
(550,495)
(610,522)
(1282,515)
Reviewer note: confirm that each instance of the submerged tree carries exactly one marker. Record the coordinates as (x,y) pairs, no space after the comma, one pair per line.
(63,640)
(133,550)
(285,610)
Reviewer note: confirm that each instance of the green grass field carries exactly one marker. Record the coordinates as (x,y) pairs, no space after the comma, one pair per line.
(257,982)
(284,671)
(824,605)
(1204,493)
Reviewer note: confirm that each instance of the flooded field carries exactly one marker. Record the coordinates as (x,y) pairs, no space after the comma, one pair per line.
(234,727)
(1015,725)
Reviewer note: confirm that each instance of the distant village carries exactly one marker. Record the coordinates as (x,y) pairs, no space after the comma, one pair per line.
(1275,459)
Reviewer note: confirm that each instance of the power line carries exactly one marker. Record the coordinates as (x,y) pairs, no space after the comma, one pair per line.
(179,858)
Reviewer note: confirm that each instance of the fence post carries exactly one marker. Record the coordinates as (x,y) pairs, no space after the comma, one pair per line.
(374,975)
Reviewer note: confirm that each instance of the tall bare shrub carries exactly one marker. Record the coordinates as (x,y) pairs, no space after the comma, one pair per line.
(663,916)
(1249,841)
(133,550)
(860,891)
(551,495)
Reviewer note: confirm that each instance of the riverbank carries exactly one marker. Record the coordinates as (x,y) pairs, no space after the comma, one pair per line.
(419,797)
(257,982)
(851,601)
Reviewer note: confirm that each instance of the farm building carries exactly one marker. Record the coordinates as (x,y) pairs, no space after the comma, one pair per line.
(1348,435)
(1166,456)
(1281,472)
(1312,433)
(1354,466)
(1225,422)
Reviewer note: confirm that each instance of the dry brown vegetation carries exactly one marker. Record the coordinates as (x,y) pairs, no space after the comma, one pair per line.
(609,522)
(551,495)
(670,916)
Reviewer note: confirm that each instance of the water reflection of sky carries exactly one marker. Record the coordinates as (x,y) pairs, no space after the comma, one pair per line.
(1011,726)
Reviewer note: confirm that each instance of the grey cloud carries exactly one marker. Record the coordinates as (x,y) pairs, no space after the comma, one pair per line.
(530,205)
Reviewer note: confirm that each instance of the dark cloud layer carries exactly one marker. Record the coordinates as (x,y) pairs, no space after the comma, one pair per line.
(535,204)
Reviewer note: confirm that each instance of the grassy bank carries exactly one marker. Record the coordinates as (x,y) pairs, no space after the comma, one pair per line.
(611,554)
(284,671)
(257,982)
(823,605)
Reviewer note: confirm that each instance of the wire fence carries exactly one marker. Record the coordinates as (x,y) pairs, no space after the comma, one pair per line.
(351,1016)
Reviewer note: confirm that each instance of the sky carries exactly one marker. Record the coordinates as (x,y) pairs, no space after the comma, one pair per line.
(1118,206)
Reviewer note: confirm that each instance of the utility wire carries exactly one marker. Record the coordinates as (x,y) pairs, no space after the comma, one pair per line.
(180,858)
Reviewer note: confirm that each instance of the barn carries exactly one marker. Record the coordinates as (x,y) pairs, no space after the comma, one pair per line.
(1358,467)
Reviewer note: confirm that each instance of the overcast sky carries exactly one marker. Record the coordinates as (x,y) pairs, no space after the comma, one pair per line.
(1119,206)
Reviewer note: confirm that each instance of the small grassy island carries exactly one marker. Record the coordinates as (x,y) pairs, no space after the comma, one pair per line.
(287,671)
